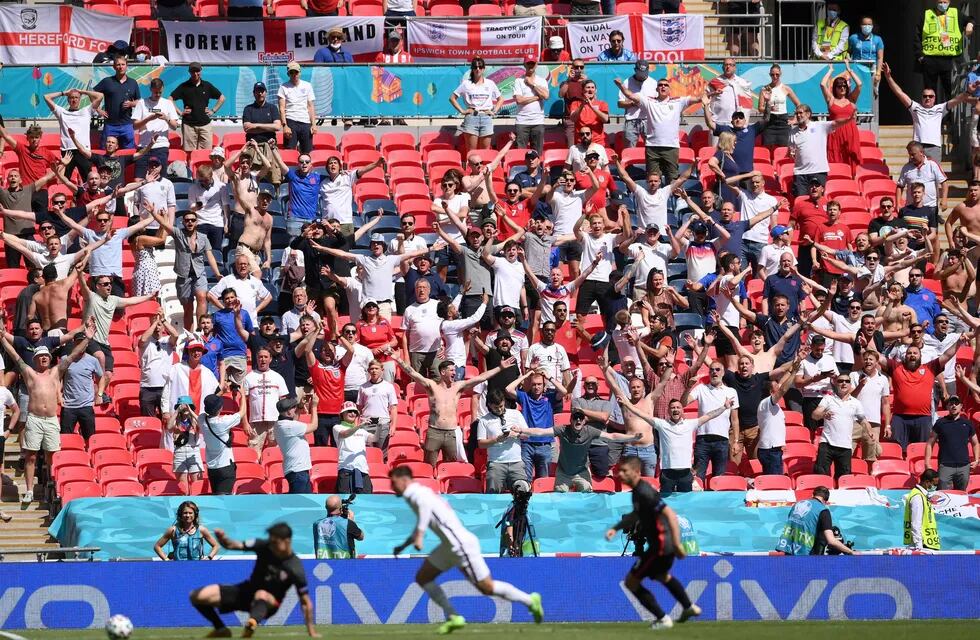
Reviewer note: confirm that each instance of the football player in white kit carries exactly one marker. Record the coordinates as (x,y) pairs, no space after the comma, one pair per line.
(458,548)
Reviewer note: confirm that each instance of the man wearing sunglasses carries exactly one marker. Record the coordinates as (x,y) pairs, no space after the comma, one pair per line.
(572,91)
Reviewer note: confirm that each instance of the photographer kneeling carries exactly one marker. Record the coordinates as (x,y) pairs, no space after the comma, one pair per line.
(810,529)
(334,536)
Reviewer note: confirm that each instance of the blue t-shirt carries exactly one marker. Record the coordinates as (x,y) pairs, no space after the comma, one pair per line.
(972,78)
(212,357)
(790,286)
(115,94)
(865,49)
(232,344)
(537,413)
(923,301)
(304,194)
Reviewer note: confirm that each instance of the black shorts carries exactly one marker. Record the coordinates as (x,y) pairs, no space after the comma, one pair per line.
(94,347)
(724,346)
(590,291)
(649,565)
(238,597)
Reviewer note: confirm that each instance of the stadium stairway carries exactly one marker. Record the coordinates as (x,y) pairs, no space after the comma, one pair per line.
(28,529)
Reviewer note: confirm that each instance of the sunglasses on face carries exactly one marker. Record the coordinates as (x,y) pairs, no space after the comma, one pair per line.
(478,66)
(408,224)
(59,203)
(104,284)
(190,220)
(45,227)
(578,67)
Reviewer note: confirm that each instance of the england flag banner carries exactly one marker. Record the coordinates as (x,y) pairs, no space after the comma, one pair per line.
(47,34)
(495,40)
(270,41)
(660,38)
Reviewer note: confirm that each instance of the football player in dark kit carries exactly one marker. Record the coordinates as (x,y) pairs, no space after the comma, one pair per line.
(276,569)
(656,523)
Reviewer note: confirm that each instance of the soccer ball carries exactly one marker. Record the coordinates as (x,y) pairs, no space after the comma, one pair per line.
(118,627)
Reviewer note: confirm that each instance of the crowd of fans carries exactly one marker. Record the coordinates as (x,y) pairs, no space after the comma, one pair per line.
(762,303)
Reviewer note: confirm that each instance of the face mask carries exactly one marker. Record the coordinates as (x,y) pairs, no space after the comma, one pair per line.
(866,29)
(831,15)
(335,47)
(942,6)
(142,57)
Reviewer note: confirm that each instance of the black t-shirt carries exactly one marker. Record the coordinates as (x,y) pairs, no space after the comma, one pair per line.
(773,330)
(266,114)
(274,574)
(824,523)
(115,94)
(23,304)
(648,512)
(197,97)
(74,213)
(954,437)
(750,392)
(302,370)
(877,223)
(116,164)
(340,242)
(505,377)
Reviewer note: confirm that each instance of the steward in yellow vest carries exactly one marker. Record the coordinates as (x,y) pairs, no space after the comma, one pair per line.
(937,44)
(921,531)
(830,36)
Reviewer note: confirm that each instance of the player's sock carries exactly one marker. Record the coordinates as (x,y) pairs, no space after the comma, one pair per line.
(211,615)
(677,590)
(507,591)
(437,595)
(649,602)
(259,610)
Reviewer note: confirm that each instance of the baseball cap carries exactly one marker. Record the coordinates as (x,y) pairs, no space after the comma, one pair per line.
(394,35)
(293,66)
(218,151)
(194,66)
(592,154)
(555,42)
(699,227)
(502,335)
(653,228)
(953,400)
(475,230)
(738,114)
(143,49)
(120,45)
(278,337)
(349,406)
(213,404)
(815,182)
(153,160)
(488,221)
(507,310)
(286,404)
(779,230)
(530,58)
(846,276)
(367,303)
(641,65)
(195,344)
(531,154)
(377,237)
(259,86)
(577,413)
(267,193)
(42,351)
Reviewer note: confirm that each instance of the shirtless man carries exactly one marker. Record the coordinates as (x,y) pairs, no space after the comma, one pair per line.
(967,213)
(764,360)
(244,185)
(43,394)
(256,238)
(895,315)
(958,276)
(474,182)
(639,404)
(444,402)
(50,304)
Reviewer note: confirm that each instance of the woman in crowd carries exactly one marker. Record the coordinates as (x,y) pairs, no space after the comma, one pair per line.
(844,142)
(772,100)
(723,165)
(481,100)
(187,535)
(183,426)
(375,333)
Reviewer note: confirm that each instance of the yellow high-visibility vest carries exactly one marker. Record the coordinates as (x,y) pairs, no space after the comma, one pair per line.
(930,532)
(830,38)
(942,37)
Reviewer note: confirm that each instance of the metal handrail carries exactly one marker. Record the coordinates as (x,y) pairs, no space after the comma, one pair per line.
(42,554)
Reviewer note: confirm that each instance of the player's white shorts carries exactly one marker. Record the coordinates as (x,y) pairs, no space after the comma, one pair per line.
(466,556)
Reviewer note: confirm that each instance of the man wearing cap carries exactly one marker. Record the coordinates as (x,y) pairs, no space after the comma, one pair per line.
(197,94)
(297,111)
(616,52)
(353,473)
(530,93)
(394,52)
(290,435)
(576,160)
(43,383)
(334,52)
(119,47)
(261,122)
(555,51)
(840,413)
(156,349)
(121,94)
(379,270)
(661,125)
(216,430)
(154,118)
(639,83)
(191,378)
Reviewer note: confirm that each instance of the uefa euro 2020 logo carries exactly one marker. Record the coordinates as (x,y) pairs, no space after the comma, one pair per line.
(673,31)
(28,19)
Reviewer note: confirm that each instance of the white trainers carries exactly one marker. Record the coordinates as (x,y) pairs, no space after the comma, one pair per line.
(28,497)
(662,623)
(691,612)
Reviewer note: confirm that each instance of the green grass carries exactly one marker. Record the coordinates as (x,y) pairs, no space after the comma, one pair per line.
(838,630)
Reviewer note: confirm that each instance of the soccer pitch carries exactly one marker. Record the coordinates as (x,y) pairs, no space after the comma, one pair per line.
(816,630)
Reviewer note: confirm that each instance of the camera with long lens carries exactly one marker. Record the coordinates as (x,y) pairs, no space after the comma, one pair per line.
(345,505)
(516,519)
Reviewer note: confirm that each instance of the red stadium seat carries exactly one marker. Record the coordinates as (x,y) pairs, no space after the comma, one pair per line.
(105,457)
(80,490)
(68,458)
(856,481)
(381,486)
(72,441)
(251,486)
(144,439)
(113,472)
(893,451)
(122,488)
(455,470)
(163,488)
(604,485)
(100,441)
(395,141)
(73,474)
(249,470)
(458,485)
(895,481)
(889,466)
(728,483)
(543,485)
(773,483)
(812,480)
(244,454)
(323,454)
(489,10)
(446,10)
(419,469)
